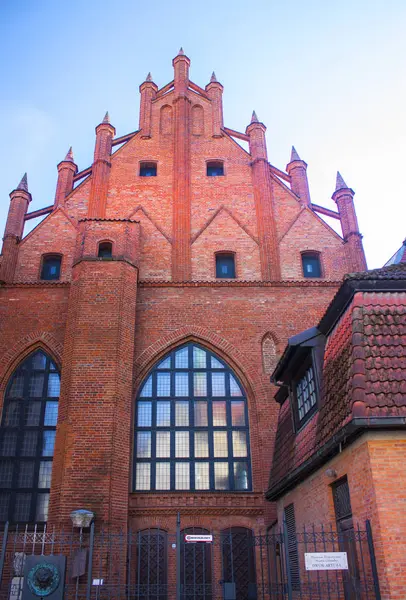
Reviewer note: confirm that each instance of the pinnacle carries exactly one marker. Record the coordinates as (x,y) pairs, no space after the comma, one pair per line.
(294,155)
(23,185)
(69,157)
(340,183)
(213,78)
(254,118)
(106,118)
(149,77)
(181,52)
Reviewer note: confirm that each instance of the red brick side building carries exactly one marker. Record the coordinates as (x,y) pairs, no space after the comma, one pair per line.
(340,459)
(175,237)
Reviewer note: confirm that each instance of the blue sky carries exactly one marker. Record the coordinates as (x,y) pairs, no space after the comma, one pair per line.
(328,77)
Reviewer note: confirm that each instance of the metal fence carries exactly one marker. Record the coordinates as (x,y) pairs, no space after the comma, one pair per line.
(233,564)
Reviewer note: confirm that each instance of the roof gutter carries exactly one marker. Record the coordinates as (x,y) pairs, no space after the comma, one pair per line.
(344,437)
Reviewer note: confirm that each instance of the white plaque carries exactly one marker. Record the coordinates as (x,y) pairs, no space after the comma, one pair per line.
(192,539)
(326,561)
(97,581)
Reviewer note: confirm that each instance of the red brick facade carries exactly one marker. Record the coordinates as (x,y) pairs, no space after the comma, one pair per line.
(107,322)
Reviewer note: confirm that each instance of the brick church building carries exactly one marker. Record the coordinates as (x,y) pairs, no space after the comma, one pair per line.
(151,305)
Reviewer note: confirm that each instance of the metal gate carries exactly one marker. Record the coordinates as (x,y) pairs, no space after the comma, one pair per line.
(232,564)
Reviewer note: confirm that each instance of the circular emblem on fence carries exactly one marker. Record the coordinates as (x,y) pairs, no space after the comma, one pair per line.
(43,579)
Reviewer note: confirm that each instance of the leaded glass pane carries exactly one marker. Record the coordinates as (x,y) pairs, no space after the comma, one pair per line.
(8,443)
(22,507)
(221,479)
(182,444)
(17,387)
(45,473)
(216,364)
(238,413)
(181,384)
(54,385)
(32,414)
(36,385)
(235,389)
(144,444)
(239,443)
(163,476)
(39,361)
(12,418)
(202,479)
(29,443)
(182,414)
(42,507)
(144,414)
(48,443)
(201,444)
(4,506)
(51,414)
(6,473)
(143,476)
(200,410)
(218,384)
(165,364)
(146,391)
(182,476)
(241,476)
(163,414)
(199,358)
(200,384)
(220,443)
(182,358)
(163,444)
(163,384)
(219,414)
(26,474)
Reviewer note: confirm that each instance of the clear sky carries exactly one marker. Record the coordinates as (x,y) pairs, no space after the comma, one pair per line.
(327,76)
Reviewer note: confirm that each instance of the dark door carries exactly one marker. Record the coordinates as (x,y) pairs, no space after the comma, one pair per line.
(239,562)
(347,539)
(195,567)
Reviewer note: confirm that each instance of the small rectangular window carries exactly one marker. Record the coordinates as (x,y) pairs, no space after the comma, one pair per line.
(215,168)
(311,265)
(148,169)
(51,268)
(225,266)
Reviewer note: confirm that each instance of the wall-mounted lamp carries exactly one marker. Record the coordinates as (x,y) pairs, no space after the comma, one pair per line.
(331,473)
(82,518)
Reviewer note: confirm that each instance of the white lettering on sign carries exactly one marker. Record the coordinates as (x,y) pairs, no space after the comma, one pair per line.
(193,539)
(326,561)
(97,581)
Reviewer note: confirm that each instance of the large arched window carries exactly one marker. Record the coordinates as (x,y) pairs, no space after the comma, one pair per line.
(191,426)
(27,438)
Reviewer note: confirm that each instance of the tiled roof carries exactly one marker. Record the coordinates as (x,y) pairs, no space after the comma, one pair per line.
(363,374)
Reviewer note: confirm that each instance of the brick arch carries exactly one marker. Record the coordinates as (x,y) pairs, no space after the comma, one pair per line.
(25,346)
(244,367)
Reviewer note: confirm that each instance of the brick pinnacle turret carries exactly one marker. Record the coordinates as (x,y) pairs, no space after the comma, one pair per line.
(23,185)
(213,78)
(106,118)
(294,155)
(69,157)
(254,118)
(149,77)
(340,183)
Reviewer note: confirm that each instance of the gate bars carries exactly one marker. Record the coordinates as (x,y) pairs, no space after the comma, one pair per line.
(153,564)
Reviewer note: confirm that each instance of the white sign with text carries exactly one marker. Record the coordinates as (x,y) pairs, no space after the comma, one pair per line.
(326,561)
(198,538)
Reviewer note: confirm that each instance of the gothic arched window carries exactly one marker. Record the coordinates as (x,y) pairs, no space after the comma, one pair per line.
(27,438)
(191,426)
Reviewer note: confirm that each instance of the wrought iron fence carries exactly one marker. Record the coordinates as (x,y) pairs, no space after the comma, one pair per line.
(232,564)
